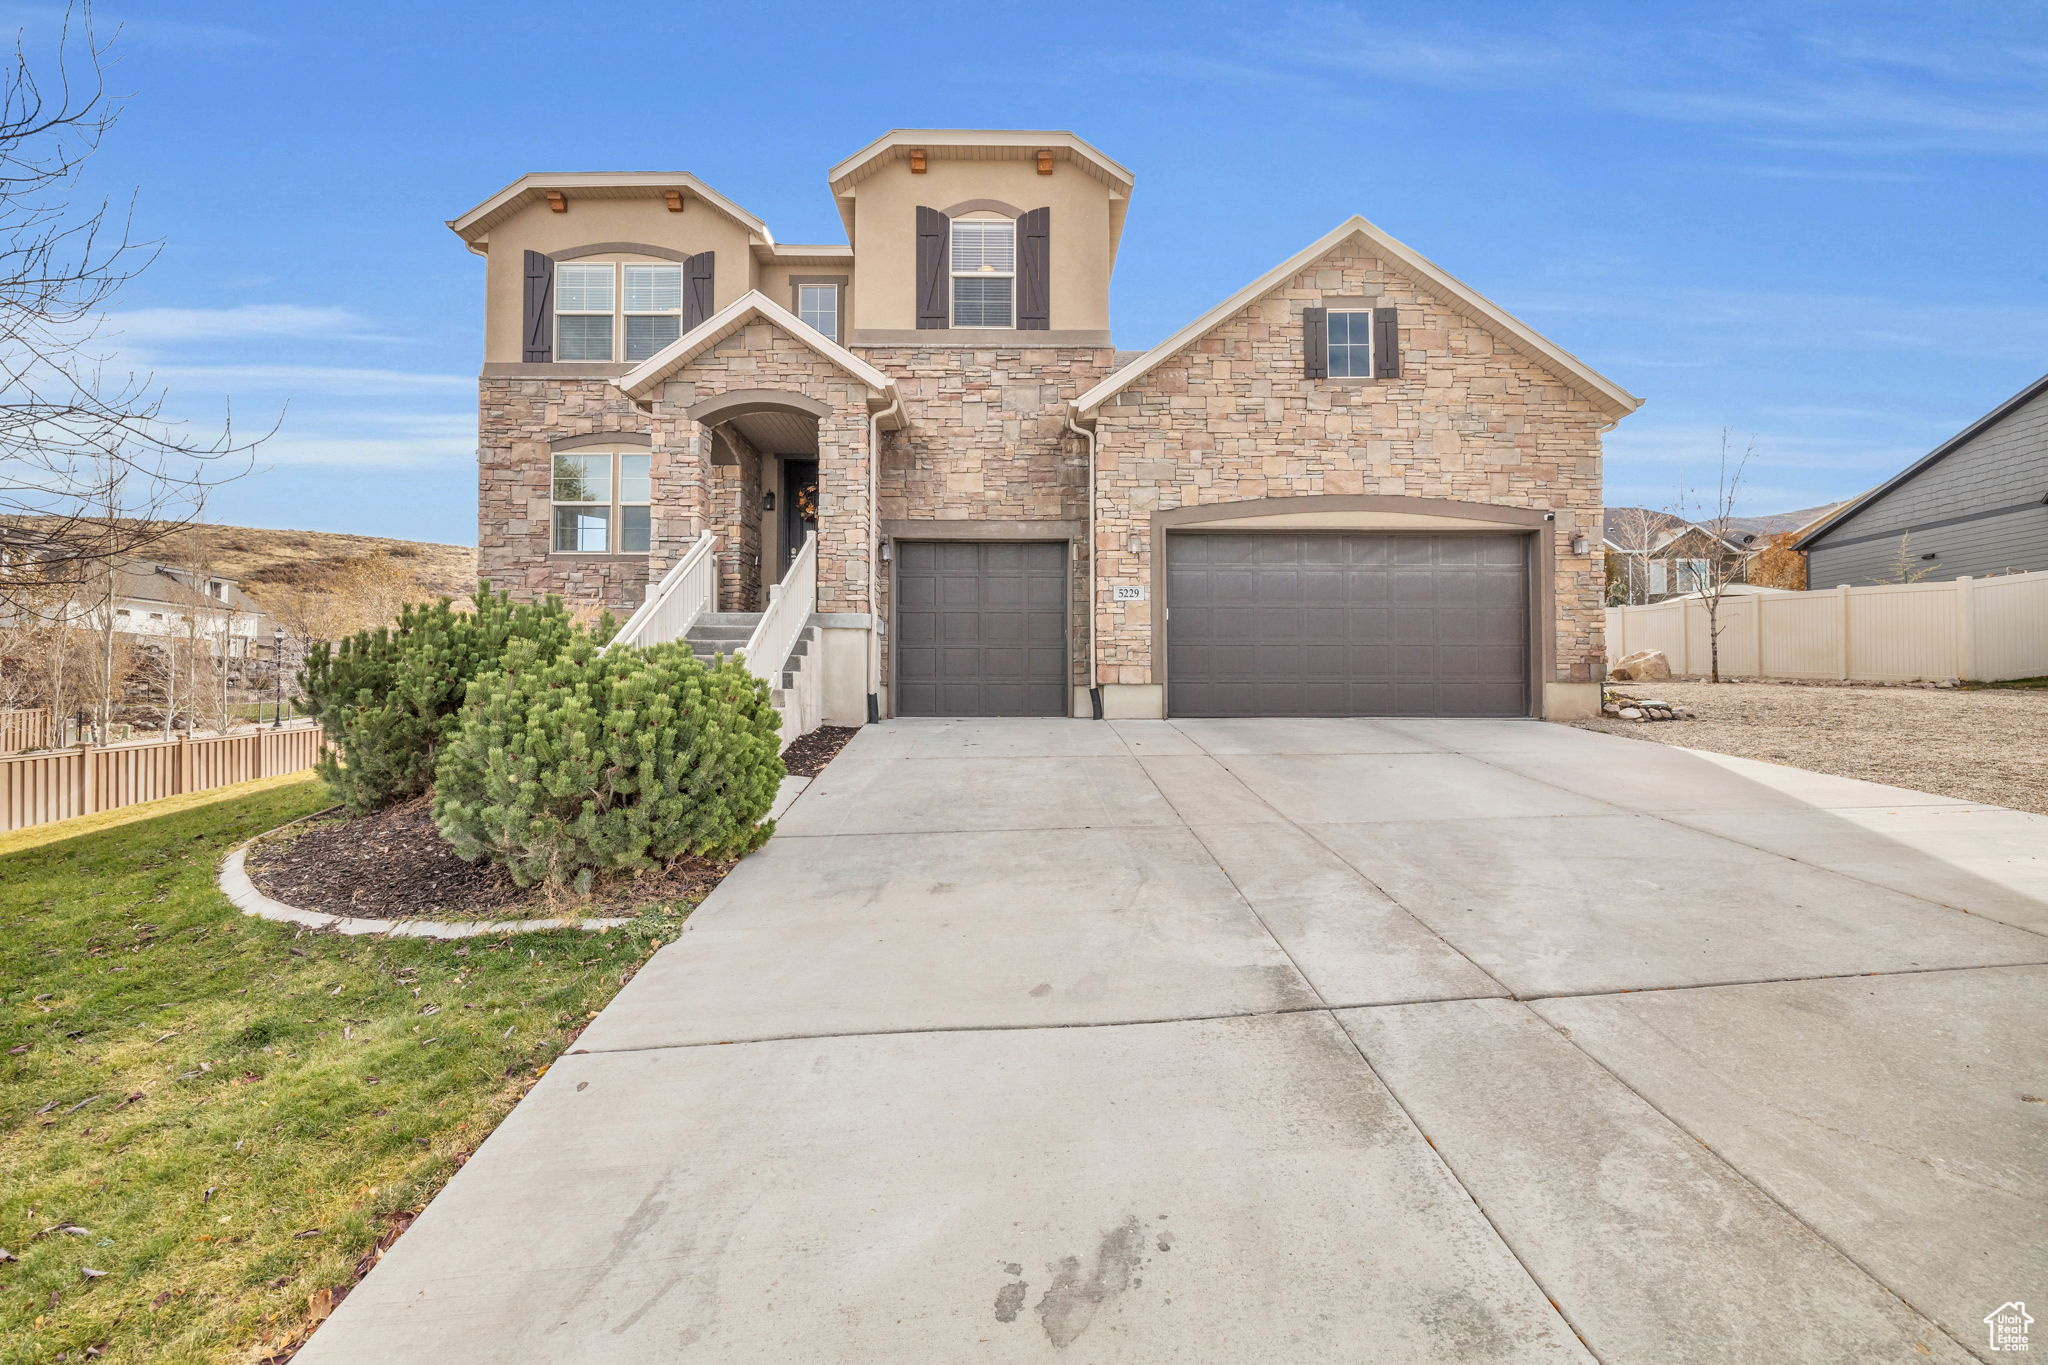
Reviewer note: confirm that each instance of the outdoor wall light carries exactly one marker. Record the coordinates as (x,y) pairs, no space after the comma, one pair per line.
(1578,545)
(885,552)
(768,501)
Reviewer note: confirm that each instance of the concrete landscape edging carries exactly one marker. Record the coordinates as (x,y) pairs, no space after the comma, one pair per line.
(235,885)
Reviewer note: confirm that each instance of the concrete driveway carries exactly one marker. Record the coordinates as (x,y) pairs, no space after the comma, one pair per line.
(1303,1041)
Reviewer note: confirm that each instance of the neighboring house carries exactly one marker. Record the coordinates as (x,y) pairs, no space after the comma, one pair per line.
(1653,555)
(1355,486)
(156,601)
(1977,504)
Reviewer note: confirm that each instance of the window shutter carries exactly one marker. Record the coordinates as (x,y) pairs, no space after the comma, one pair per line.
(1386,344)
(931,268)
(698,274)
(538,326)
(1315,343)
(1034,277)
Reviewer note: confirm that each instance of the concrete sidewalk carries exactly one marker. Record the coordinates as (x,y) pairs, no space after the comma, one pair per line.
(1263,1041)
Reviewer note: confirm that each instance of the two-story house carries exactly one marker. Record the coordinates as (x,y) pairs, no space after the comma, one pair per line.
(1354,487)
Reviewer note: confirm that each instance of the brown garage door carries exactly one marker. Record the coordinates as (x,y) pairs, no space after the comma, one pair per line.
(1347,624)
(981,629)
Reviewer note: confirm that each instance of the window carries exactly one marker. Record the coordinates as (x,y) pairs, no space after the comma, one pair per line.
(583,311)
(1351,344)
(602,502)
(1692,575)
(654,308)
(984,264)
(818,305)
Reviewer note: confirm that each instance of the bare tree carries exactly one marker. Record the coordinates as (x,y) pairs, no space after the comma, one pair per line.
(1712,515)
(92,469)
(1906,566)
(1628,570)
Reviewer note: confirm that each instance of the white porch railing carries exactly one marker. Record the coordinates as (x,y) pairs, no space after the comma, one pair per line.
(790,604)
(673,605)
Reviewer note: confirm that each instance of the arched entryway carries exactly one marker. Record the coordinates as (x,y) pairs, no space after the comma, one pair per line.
(764,486)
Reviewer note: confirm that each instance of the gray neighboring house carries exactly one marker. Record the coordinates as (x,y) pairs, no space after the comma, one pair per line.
(1975,505)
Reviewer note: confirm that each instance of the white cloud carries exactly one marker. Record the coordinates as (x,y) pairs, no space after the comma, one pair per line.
(161,326)
(431,447)
(42,21)
(292,379)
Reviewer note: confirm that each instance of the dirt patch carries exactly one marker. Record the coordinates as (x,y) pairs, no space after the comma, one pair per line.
(393,864)
(1989,746)
(808,755)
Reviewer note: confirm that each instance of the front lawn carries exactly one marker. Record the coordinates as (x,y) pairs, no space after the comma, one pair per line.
(207,1120)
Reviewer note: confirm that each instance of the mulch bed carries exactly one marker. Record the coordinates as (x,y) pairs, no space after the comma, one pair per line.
(807,756)
(393,864)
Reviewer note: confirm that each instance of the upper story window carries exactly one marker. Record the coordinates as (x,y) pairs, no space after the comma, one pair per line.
(818,305)
(607,309)
(601,501)
(1351,344)
(654,308)
(983,255)
(586,294)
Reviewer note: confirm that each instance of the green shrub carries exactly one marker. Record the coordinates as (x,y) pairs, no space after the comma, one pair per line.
(390,697)
(568,768)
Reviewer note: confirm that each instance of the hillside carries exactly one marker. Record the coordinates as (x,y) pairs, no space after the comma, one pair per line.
(295,563)
(313,560)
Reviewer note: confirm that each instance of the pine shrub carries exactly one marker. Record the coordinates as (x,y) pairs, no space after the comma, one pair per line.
(390,697)
(568,768)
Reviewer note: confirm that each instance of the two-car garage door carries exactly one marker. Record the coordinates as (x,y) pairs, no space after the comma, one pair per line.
(1270,623)
(1347,624)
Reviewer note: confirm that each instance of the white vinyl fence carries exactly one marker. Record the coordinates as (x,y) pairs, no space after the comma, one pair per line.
(1982,629)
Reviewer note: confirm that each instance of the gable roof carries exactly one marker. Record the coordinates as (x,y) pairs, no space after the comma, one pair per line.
(1639,530)
(1843,514)
(649,374)
(981,144)
(1602,390)
(474,226)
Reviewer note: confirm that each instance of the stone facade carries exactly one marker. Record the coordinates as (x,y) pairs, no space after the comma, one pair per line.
(691,496)
(987,440)
(518,420)
(1231,419)
(736,520)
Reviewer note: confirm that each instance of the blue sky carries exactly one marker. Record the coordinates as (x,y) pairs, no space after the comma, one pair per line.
(1818,225)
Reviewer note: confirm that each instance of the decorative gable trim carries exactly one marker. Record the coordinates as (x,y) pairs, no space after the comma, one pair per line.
(643,379)
(1611,397)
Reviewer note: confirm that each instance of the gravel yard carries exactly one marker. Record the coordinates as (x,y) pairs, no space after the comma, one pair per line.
(1989,746)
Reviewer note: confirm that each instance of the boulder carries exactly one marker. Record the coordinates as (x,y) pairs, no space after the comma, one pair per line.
(1645,665)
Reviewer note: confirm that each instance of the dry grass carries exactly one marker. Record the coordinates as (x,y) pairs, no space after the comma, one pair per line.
(1989,746)
(310,559)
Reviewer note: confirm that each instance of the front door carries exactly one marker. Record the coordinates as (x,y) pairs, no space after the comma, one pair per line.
(799,503)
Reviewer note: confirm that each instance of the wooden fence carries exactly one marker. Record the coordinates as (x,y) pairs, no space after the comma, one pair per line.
(24,729)
(38,788)
(1982,629)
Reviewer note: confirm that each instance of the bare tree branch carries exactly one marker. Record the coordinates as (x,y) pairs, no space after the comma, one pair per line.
(92,469)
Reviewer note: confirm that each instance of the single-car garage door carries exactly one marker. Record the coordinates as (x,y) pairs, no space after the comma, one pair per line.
(1347,624)
(981,628)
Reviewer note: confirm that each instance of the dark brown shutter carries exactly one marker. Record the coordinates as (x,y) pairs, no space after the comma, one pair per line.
(931,268)
(1315,343)
(538,320)
(1386,344)
(698,275)
(1034,271)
